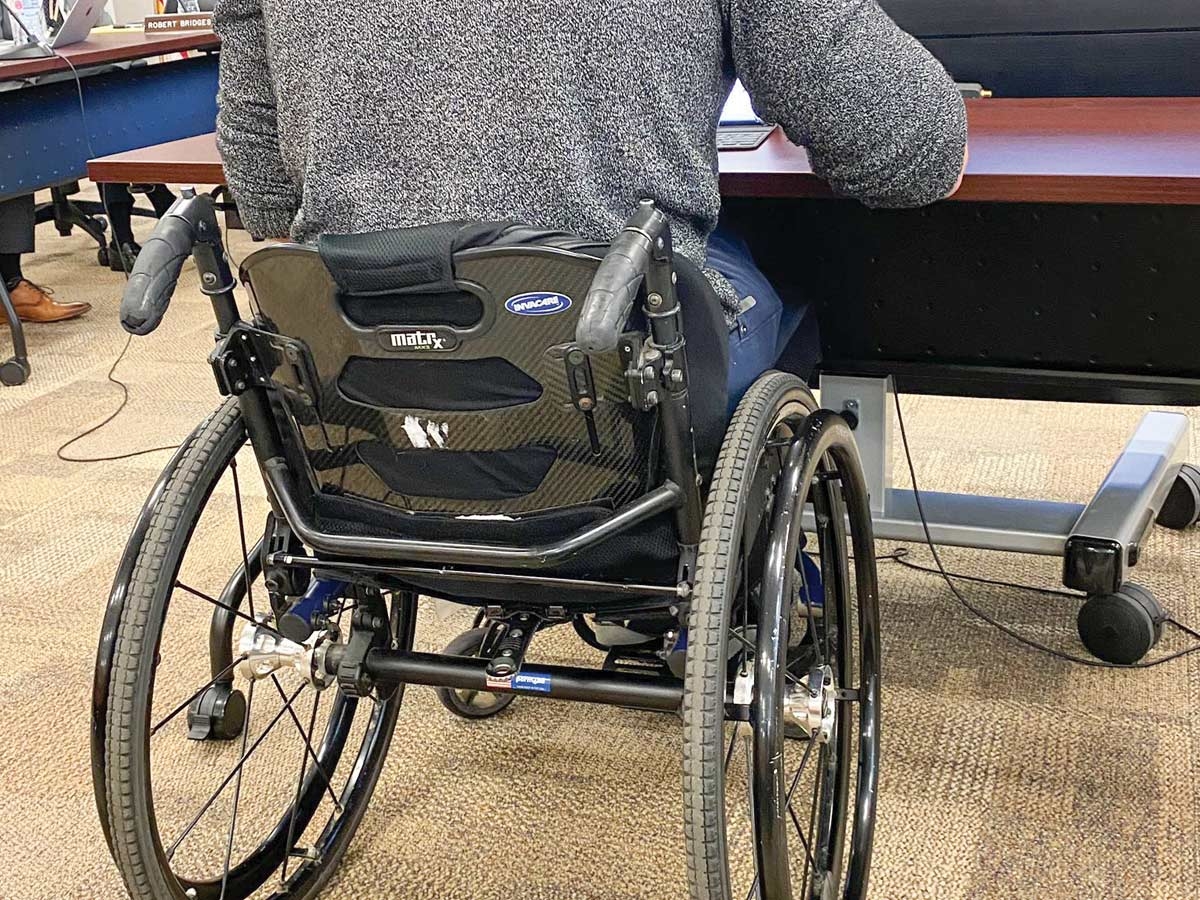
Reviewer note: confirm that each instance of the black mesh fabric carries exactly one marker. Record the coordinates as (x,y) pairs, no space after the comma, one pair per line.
(402,260)
(437,384)
(457,308)
(459,474)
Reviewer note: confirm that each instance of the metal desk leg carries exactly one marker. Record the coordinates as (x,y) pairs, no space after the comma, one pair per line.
(1105,542)
(13,371)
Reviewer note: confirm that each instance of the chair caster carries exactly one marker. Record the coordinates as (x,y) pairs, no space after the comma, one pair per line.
(1182,507)
(102,256)
(471,704)
(14,371)
(218,714)
(1121,628)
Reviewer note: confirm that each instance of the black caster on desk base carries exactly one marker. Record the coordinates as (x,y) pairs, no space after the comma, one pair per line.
(1122,627)
(1182,506)
(14,371)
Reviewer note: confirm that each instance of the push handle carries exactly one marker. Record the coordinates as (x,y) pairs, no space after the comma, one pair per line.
(156,271)
(616,283)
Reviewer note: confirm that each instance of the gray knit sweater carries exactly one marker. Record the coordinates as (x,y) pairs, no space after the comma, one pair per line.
(346,117)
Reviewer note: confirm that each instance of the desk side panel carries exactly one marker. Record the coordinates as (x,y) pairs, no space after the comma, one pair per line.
(993,299)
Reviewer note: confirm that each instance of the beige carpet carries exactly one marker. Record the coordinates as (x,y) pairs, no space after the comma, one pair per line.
(1006,774)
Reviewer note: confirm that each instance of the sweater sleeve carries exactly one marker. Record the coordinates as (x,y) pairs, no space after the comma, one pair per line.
(247,134)
(882,120)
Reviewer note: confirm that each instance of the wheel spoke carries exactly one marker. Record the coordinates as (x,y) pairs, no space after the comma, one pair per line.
(236,769)
(312,723)
(803,841)
(237,794)
(812,622)
(227,607)
(732,744)
(188,702)
(749,646)
(309,751)
(812,825)
(237,494)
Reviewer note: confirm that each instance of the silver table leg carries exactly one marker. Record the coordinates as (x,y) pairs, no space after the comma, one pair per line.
(1098,542)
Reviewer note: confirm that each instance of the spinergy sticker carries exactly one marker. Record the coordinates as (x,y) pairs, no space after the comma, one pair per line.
(537,303)
(522,681)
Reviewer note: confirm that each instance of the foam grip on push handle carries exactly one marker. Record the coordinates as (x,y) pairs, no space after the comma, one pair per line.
(612,293)
(150,286)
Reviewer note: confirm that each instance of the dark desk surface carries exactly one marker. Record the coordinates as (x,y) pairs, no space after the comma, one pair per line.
(1101,150)
(110,47)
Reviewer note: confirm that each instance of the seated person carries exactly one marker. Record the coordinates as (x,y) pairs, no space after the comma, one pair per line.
(32,303)
(564,115)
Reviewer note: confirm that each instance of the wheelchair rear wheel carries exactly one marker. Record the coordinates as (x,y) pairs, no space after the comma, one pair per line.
(776,804)
(266,804)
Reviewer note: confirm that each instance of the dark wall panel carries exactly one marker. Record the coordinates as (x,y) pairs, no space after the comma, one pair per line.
(976,17)
(1160,64)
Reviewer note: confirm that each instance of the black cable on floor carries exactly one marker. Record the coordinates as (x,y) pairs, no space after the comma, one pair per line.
(949,578)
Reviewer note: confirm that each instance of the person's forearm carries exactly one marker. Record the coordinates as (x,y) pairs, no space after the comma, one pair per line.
(881,118)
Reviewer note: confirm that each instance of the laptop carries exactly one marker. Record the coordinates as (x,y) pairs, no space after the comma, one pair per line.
(739,127)
(77,25)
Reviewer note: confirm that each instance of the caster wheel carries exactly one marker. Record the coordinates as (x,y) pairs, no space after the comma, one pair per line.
(102,256)
(471,704)
(1121,628)
(13,372)
(1182,506)
(218,714)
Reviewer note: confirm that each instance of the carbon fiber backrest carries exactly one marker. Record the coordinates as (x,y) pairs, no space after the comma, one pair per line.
(470,419)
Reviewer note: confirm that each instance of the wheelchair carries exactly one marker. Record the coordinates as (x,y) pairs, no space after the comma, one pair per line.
(510,420)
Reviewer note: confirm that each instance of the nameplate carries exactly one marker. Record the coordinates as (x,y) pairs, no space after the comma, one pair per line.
(178,22)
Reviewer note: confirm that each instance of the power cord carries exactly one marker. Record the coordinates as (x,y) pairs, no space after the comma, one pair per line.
(899,556)
(60,452)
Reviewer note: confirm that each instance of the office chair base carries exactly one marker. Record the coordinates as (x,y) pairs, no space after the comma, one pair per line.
(1121,627)
(14,371)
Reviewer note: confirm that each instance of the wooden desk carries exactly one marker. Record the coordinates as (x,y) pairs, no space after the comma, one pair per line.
(1050,151)
(1085,150)
(110,47)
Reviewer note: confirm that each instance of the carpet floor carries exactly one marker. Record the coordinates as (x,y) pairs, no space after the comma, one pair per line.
(1006,773)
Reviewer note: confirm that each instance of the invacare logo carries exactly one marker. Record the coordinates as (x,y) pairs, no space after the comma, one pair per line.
(537,303)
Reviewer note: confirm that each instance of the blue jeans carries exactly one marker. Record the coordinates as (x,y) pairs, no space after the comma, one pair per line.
(765,326)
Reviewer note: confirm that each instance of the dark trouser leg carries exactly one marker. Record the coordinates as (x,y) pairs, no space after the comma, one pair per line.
(161,198)
(16,236)
(118,203)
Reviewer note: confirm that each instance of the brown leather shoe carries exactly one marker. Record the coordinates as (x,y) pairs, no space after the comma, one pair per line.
(34,304)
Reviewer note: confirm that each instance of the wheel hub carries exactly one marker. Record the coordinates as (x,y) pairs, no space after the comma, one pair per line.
(264,652)
(811,705)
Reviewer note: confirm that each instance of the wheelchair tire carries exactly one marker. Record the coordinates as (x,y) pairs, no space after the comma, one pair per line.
(739,840)
(138,821)
(471,704)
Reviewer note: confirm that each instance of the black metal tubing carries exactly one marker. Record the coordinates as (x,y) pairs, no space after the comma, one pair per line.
(650,692)
(672,591)
(20,350)
(662,499)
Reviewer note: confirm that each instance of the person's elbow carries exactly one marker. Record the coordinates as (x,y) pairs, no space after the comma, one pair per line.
(924,165)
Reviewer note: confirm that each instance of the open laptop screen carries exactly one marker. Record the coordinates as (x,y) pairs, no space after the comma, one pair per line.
(738,109)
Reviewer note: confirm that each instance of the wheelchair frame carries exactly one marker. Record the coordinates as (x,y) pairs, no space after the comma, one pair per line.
(820,449)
